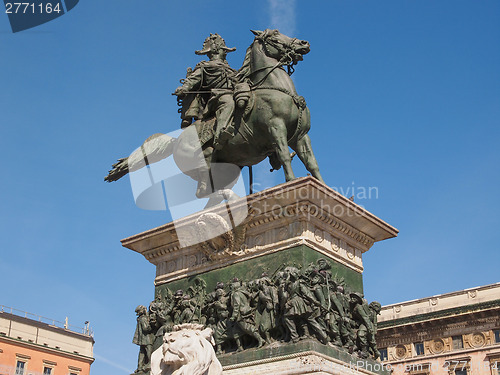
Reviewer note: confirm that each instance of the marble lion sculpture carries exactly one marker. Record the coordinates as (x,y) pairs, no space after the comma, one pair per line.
(187,350)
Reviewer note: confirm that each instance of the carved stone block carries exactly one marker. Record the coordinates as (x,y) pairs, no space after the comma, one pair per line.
(300,212)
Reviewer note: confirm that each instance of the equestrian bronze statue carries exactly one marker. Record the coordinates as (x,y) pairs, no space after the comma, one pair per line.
(235,117)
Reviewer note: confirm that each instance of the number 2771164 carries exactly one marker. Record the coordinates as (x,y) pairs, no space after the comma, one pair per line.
(23,8)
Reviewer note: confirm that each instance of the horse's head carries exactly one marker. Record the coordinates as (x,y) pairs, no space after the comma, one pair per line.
(281,47)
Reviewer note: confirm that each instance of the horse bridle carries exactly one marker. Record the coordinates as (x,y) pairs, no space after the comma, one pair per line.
(286,49)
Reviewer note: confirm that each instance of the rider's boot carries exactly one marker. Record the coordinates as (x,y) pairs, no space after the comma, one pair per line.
(224,129)
(222,136)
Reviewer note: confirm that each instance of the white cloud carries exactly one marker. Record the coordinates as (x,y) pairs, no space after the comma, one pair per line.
(283,16)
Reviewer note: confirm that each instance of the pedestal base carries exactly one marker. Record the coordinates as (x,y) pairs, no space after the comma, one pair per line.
(305,357)
(233,257)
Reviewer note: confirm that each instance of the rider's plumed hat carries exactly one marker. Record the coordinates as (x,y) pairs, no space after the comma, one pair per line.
(213,44)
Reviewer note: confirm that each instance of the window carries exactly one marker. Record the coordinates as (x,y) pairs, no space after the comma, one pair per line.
(419,348)
(20,365)
(497,335)
(494,360)
(459,366)
(47,371)
(458,344)
(495,366)
(418,368)
(74,370)
(383,354)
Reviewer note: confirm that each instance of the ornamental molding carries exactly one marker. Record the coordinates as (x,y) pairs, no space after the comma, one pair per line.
(310,358)
(322,226)
(466,323)
(260,238)
(300,212)
(402,351)
(437,346)
(477,339)
(23,356)
(493,357)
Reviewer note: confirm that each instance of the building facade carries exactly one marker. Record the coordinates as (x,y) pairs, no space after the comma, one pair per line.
(38,346)
(449,334)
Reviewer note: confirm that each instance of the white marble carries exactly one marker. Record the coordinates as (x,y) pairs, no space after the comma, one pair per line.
(187,350)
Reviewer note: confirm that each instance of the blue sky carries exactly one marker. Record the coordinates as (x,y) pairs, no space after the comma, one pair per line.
(404,97)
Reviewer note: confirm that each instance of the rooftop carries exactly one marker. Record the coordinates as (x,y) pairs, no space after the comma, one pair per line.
(443,303)
(5,311)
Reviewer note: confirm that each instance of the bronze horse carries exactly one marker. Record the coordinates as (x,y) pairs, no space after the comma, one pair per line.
(278,118)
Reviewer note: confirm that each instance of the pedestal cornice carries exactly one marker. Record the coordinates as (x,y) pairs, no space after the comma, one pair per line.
(299,212)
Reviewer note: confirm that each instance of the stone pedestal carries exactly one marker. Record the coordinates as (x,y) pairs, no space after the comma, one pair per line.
(301,213)
(295,223)
(305,357)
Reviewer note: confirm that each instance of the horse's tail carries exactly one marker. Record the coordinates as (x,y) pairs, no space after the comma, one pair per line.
(157,147)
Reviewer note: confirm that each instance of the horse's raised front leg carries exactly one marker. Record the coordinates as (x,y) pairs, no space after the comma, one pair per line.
(305,152)
(278,133)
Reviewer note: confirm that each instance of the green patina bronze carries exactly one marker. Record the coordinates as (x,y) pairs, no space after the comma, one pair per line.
(300,256)
(284,297)
(241,117)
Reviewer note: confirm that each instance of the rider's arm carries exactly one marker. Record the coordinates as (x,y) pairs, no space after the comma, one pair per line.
(193,81)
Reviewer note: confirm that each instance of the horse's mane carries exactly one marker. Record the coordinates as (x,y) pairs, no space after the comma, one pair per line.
(245,69)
